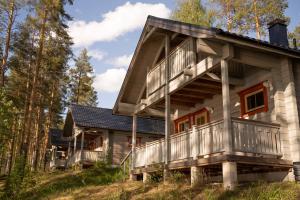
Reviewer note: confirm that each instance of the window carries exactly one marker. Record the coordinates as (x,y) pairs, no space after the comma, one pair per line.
(138,141)
(197,118)
(201,117)
(254,100)
(182,124)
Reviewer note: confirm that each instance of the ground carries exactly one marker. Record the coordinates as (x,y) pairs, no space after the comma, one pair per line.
(103,184)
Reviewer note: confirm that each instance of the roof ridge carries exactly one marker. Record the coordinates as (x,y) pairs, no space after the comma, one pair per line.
(73,104)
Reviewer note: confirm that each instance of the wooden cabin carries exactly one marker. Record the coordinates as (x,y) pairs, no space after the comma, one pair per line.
(231,103)
(103,136)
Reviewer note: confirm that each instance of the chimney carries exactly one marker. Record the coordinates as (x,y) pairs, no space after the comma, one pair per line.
(278,32)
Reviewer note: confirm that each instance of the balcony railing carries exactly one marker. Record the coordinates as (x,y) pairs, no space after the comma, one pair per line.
(87,156)
(180,58)
(248,137)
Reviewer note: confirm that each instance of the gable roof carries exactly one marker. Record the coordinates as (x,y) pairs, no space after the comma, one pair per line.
(196,31)
(103,118)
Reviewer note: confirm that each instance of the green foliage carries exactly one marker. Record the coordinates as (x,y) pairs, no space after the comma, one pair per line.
(192,11)
(178,177)
(6,119)
(81,80)
(100,174)
(19,180)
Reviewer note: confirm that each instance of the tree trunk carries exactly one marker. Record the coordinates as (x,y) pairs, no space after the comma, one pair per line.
(48,122)
(257,23)
(7,41)
(14,129)
(78,89)
(38,137)
(34,82)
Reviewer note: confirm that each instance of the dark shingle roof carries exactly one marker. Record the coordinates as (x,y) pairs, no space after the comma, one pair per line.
(218,31)
(94,117)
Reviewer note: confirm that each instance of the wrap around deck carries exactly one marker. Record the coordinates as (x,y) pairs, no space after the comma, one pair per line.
(249,137)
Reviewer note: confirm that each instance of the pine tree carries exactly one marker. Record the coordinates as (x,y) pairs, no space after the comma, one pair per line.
(192,11)
(81,80)
(246,16)
(264,11)
(10,8)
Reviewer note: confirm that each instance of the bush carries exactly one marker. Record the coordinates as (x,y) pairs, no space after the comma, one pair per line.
(178,177)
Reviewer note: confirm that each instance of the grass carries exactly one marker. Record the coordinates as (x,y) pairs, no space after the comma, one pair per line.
(106,183)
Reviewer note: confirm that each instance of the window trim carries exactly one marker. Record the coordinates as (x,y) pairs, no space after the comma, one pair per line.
(203,110)
(191,117)
(244,94)
(138,141)
(180,120)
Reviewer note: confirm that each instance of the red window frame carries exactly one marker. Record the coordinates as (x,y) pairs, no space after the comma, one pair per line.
(138,141)
(199,112)
(248,91)
(191,117)
(182,119)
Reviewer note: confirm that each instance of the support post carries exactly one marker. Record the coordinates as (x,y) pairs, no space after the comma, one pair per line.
(229,168)
(69,149)
(134,127)
(146,177)
(75,142)
(226,107)
(167,109)
(81,147)
(196,176)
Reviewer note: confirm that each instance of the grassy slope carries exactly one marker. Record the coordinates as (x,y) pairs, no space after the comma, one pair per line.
(95,184)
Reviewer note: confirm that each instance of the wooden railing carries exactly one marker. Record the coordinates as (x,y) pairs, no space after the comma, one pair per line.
(126,163)
(180,58)
(256,137)
(90,156)
(248,136)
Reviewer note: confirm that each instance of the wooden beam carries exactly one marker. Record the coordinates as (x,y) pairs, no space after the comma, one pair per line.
(152,30)
(209,47)
(258,59)
(232,80)
(203,90)
(187,99)
(216,85)
(175,95)
(194,94)
(182,103)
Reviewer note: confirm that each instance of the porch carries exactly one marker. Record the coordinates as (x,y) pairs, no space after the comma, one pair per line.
(247,139)
(91,148)
(85,157)
(251,138)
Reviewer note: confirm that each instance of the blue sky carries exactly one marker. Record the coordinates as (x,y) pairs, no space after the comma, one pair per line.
(110,29)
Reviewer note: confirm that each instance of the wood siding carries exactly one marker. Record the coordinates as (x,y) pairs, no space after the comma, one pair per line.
(121,146)
(297,85)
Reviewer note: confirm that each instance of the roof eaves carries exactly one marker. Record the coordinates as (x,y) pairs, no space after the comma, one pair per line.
(281,48)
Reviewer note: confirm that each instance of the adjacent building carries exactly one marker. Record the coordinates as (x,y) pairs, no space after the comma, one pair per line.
(98,135)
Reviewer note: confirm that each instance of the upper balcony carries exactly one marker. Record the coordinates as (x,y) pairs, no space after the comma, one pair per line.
(181,58)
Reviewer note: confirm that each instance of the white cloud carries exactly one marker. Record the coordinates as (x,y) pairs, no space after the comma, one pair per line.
(125,18)
(109,81)
(96,54)
(121,61)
